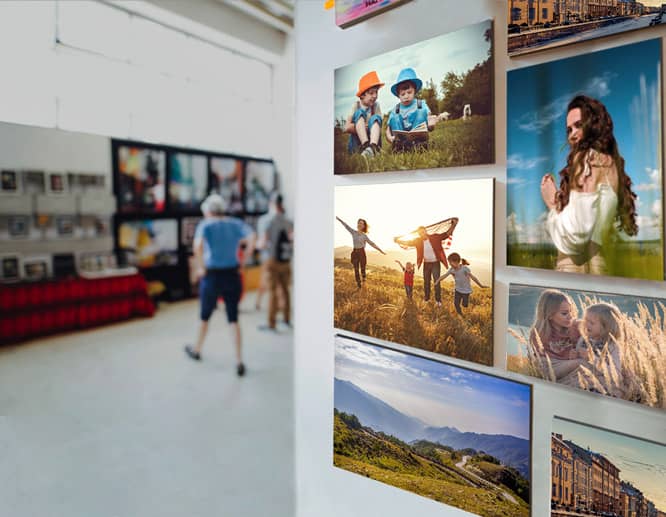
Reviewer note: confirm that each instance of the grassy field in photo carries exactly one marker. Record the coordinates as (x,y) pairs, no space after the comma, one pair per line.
(381,309)
(626,259)
(467,479)
(452,143)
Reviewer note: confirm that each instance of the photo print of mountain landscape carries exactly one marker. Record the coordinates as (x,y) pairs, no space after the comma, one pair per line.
(454,435)
(393,242)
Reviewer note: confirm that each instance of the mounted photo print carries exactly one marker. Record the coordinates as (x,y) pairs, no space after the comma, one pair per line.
(149,243)
(84,183)
(414,265)
(10,267)
(188,226)
(584,164)
(34,182)
(227,181)
(260,182)
(609,344)
(36,267)
(56,183)
(599,472)
(424,106)
(15,227)
(188,180)
(452,434)
(10,182)
(65,225)
(351,12)
(140,178)
(551,24)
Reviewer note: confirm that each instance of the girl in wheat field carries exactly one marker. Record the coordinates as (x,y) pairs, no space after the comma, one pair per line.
(555,332)
(462,276)
(358,257)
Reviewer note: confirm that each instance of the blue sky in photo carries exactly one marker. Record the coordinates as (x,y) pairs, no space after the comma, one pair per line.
(438,394)
(457,52)
(642,463)
(627,80)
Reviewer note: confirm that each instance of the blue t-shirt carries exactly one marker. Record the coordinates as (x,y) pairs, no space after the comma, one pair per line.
(221,238)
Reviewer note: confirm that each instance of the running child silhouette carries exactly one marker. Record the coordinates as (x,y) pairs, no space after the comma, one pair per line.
(408,269)
(462,276)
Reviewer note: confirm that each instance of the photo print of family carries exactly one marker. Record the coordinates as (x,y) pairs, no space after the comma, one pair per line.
(454,435)
(424,106)
(609,344)
(414,265)
(601,472)
(584,164)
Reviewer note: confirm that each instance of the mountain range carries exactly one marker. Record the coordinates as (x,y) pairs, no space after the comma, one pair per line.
(380,416)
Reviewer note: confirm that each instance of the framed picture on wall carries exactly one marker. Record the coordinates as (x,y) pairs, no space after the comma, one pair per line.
(80,183)
(10,267)
(10,182)
(36,267)
(584,192)
(227,181)
(150,242)
(424,106)
(34,182)
(140,177)
(552,25)
(65,225)
(56,183)
(188,226)
(627,473)
(188,180)
(351,12)
(431,427)
(18,226)
(599,342)
(414,275)
(260,182)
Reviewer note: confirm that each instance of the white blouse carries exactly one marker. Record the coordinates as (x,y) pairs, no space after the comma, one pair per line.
(586,218)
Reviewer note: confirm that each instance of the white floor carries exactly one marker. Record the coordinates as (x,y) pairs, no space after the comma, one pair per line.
(118,422)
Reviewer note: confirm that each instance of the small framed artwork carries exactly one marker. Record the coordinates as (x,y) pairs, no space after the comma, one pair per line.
(82,183)
(227,180)
(188,226)
(34,182)
(18,226)
(10,267)
(602,472)
(64,265)
(188,180)
(36,267)
(10,182)
(56,183)
(260,181)
(65,225)
(431,427)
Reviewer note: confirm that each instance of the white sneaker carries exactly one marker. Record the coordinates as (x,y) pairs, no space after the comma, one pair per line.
(368,152)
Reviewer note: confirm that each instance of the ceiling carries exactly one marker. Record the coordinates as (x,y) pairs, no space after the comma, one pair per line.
(278,14)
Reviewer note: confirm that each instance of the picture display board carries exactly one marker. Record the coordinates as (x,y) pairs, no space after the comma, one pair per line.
(351,489)
(160,190)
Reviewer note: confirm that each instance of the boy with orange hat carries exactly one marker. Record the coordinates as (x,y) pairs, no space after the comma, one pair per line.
(364,123)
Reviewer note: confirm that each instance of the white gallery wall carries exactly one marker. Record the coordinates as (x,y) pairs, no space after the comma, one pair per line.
(321,47)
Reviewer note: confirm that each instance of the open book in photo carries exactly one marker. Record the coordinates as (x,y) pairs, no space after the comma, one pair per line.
(418,133)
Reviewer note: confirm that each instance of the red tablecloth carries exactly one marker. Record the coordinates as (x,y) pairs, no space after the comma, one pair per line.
(33,309)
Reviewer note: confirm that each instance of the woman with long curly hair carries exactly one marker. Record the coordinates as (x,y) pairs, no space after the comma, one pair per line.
(595,197)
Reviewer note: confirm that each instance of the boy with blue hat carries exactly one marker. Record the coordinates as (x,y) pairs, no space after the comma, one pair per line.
(410,114)
(364,123)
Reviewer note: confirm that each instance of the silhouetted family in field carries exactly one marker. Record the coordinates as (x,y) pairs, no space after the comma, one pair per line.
(429,243)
